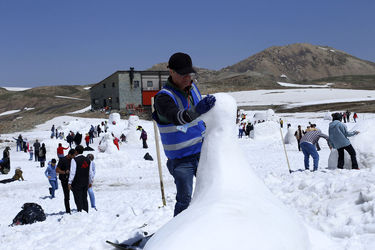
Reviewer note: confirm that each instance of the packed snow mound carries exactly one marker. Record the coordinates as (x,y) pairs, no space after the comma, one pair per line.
(267,130)
(114,117)
(132,136)
(106,144)
(327,116)
(268,115)
(231,205)
(364,145)
(289,136)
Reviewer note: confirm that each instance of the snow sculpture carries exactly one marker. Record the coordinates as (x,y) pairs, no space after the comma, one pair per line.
(132,136)
(106,144)
(114,118)
(267,130)
(328,116)
(231,207)
(289,136)
(362,143)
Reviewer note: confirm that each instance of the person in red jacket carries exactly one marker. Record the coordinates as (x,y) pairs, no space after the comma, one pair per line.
(87,140)
(60,150)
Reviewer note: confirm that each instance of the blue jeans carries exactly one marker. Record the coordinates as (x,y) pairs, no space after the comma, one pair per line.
(240,133)
(31,156)
(309,149)
(183,171)
(92,197)
(54,187)
(19,146)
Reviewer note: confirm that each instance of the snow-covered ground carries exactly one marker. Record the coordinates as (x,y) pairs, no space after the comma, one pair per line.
(336,207)
(287,84)
(300,97)
(15,88)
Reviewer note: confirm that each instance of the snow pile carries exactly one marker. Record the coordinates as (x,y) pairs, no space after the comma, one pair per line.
(106,144)
(264,115)
(363,144)
(114,117)
(131,131)
(289,136)
(328,116)
(268,130)
(230,204)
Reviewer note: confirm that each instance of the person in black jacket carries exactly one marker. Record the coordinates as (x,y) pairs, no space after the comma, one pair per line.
(63,169)
(36,149)
(80,179)
(42,155)
(5,161)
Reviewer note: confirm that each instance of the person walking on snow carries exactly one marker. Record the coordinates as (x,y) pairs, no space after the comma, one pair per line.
(87,140)
(42,155)
(355,116)
(80,179)
(52,131)
(52,177)
(143,136)
(307,143)
(338,138)
(90,190)
(36,149)
(31,152)
(178,106)
(63,169)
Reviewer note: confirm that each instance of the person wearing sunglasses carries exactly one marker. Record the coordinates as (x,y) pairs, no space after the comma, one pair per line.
(178,106)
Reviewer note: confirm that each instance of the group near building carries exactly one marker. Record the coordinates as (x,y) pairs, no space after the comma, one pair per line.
(127,90)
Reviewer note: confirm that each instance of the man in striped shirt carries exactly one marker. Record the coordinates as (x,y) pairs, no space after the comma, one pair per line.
(307,144)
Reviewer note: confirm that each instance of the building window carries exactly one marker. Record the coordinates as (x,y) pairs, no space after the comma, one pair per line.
(96,101)
(113,85)
(150,84)
(136,84)
(163,83)
(117,100)
(103,85)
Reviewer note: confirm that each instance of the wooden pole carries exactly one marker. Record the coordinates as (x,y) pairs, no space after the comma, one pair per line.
(286,155)
(156,132)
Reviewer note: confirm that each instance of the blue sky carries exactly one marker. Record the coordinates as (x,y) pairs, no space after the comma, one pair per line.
(50,42)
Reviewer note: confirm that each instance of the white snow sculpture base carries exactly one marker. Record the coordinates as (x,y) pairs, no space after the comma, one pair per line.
(231,207)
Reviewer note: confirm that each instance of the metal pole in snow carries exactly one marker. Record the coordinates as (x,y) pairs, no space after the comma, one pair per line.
(156,132)
(286,155)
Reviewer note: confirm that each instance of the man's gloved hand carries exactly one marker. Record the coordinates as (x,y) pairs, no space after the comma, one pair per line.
(205,104)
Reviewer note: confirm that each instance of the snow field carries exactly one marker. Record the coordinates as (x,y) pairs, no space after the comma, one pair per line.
(336,206)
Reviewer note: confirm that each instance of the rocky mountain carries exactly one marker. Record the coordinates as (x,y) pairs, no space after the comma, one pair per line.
(303,61)
(298,63)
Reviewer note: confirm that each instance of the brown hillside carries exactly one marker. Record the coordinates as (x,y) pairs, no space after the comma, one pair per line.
(303,61)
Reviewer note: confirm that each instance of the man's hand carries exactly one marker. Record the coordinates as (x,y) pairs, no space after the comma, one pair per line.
(90,185)
(205,104)
(69,187)
(49,177)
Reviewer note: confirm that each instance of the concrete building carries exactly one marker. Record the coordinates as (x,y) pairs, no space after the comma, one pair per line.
(127,89)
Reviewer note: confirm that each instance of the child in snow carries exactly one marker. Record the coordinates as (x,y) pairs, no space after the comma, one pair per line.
(90,190)
(31,152)
(143,136)
(52,178)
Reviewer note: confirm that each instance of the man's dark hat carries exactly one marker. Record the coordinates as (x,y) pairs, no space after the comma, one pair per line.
(181,63)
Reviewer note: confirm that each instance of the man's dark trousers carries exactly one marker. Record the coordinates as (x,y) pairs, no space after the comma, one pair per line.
(80,197)
(64,185)
(351,151)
